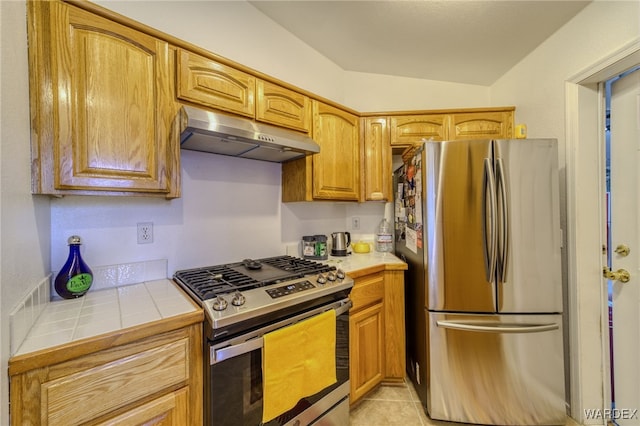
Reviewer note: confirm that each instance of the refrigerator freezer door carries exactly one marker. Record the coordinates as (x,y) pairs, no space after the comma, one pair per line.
(455,222)
(496,369)
(527,171)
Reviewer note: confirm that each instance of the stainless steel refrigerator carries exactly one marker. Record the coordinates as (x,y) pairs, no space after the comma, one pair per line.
(478,223)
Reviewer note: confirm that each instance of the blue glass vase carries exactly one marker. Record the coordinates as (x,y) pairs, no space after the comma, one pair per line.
(75,277)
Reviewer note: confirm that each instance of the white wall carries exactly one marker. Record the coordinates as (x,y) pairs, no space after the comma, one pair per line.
(374,93)
(600,29)
(24,219)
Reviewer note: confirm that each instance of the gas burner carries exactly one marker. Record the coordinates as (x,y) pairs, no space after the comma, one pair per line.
(235,293)
(209,282)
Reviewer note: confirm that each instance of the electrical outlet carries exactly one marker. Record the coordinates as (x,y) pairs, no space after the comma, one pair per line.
(145,233)
(355,222)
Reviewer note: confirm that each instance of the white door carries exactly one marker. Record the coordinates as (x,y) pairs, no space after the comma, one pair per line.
(625,220)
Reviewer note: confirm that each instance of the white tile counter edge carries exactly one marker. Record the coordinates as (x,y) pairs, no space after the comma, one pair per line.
(103,311)
(117,301)
(357,261)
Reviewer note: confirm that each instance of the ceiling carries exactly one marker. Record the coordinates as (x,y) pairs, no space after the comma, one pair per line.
(470,41)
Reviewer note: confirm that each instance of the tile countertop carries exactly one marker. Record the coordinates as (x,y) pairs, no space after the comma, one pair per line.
(111,310)
(359,264)
(104,311)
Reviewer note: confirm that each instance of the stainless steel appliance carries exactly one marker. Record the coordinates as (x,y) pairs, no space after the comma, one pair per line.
(208,131)
(340,242)
(245,300)
(478,223)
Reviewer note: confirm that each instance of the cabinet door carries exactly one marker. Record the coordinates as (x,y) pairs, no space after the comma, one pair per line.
(482,125)
(367,334)
(409,129)
(168,410)
(211,84)
(336,169)
(376,160)
(103,108)
(366,330)
(283,107)
(395,344)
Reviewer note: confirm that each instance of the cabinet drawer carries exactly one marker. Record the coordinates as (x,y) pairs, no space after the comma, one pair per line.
(367,291)
(87,394)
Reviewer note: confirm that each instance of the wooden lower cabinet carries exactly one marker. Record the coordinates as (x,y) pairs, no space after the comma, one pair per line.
(376,328)
(167,410)
(366,334)
(395,340)
(155,380)
(366,329)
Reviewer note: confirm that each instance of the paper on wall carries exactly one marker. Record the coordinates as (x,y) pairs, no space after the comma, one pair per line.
(411,239)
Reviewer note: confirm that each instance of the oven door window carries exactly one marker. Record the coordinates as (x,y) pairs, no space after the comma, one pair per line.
(236,385)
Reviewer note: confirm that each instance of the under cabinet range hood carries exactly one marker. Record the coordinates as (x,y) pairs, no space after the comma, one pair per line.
(208,131)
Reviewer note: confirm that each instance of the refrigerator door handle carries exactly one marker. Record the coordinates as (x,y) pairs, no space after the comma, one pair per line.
(504,225)
(489,246)
(494,327)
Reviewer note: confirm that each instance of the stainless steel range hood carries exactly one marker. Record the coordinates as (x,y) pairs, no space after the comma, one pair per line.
(207,131)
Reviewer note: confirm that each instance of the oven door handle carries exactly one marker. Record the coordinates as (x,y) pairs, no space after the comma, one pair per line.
(219,355)
(256,341)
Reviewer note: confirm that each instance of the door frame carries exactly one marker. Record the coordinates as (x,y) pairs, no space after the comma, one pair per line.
(586,231)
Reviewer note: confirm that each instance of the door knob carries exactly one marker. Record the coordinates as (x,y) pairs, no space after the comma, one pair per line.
(623,250)
(621,275)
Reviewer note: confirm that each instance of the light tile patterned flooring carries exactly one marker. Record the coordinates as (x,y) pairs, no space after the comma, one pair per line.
(390,405)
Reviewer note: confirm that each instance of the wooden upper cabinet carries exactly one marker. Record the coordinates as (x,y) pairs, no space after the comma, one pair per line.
(211,84)
(282,107)
(482,125)
(333,173)
(336,169)
(102,106)
(410,129)
(376,159)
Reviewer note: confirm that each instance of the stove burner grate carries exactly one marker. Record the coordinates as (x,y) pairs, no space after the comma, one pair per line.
(297,265)
(208,282)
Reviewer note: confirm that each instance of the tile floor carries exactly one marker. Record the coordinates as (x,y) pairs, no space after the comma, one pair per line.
(390,405)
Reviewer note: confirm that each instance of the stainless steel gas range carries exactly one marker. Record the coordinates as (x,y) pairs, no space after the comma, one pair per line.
(244,301)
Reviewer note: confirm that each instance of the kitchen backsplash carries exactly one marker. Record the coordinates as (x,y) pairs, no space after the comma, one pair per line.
(27,311)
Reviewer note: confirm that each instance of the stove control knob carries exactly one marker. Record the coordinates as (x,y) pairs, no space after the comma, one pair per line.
(321,279)
(340,274)
(331,276)
(238,299)
(219,304)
